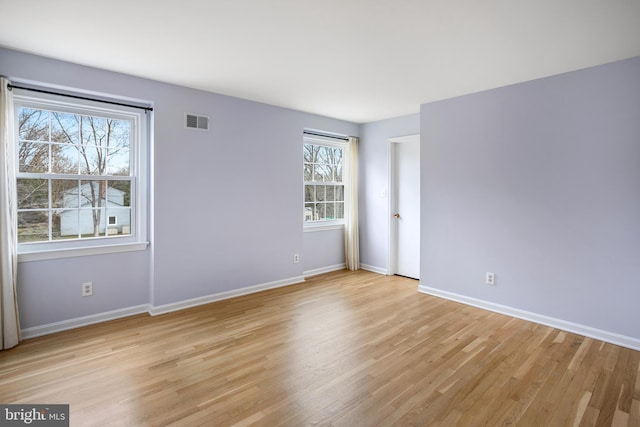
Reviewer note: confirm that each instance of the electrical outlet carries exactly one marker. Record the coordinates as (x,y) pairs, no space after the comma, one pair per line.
(87,289)
(491,278)
(296,258)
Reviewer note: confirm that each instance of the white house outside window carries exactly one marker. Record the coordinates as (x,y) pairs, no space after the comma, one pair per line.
(79,174)
(324,180)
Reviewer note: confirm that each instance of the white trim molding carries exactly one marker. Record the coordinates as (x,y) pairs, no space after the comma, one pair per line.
(78,322)
(587,331)
(194,302)
(328,269)
(78,252)
(373,269)
(326,226)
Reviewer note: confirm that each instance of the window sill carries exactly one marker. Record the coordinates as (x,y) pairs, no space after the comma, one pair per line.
(323,227)
(78,252)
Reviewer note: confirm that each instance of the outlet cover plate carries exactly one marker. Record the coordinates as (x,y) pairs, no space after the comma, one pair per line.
(491,278)
(87,289)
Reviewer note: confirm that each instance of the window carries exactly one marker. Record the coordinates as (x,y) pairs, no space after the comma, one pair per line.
(79,174)
(324,177)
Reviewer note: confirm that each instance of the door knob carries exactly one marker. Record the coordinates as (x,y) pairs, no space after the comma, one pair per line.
(397,215)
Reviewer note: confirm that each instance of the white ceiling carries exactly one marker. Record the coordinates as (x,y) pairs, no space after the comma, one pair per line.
(357,60)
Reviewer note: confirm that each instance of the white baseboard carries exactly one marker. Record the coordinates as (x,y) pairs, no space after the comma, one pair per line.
(587,331)
(374,269)
(167,308)
(330,268)
(77,322)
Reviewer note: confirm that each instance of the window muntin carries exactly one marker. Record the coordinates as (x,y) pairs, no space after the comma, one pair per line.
(323,176)
(78,167)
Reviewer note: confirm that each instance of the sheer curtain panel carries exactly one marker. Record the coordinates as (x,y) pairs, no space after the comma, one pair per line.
(9,324)
(351,237)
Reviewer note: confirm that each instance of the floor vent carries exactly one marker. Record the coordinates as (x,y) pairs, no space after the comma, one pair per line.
(194,121)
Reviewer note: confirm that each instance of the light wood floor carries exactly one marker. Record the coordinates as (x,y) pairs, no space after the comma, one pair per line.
(344,349)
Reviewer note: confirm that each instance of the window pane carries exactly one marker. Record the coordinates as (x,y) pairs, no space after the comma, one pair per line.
(309,193)
(340,193)
(64,128)
(93,193)
(94,131)
(324,155)
(34,124)
(125,222)
(118,147)
(320,193)
(337,155)
(118,133)
(64,193)
(339,210)
(33,193)
(324,173)
(319,213)
(330,174)
(92,160)
(64,159)
(330,211)
(318,173)
(308,172)
(111,224)
(118,161)
(33,226)
(338,170)
(65,224)
(92,222)
(118,221)
(33,157)
(118,193)
(308,153)
(330,193)
(309,212)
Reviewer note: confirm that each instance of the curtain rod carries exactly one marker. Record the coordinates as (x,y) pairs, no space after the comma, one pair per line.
(344,138)
(85,98)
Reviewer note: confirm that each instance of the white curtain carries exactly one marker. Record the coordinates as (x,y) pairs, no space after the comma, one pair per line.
(351,237)
(9,324)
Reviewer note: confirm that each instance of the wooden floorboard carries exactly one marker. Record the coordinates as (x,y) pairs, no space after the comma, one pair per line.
(343,349)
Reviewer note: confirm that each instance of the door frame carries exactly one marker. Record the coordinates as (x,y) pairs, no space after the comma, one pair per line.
(392,199)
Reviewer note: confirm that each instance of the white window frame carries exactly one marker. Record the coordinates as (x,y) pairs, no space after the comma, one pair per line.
(139,166)
(334,224)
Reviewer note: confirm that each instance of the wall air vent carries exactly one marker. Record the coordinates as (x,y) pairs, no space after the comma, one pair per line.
(194,121)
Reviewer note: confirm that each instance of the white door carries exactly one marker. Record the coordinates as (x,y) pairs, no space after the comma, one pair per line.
(407,207)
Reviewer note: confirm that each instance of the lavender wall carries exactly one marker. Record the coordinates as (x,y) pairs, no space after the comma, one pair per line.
(374,177)
(49,291)
(316,256)
(227,210)
(538,183)
(242,187)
